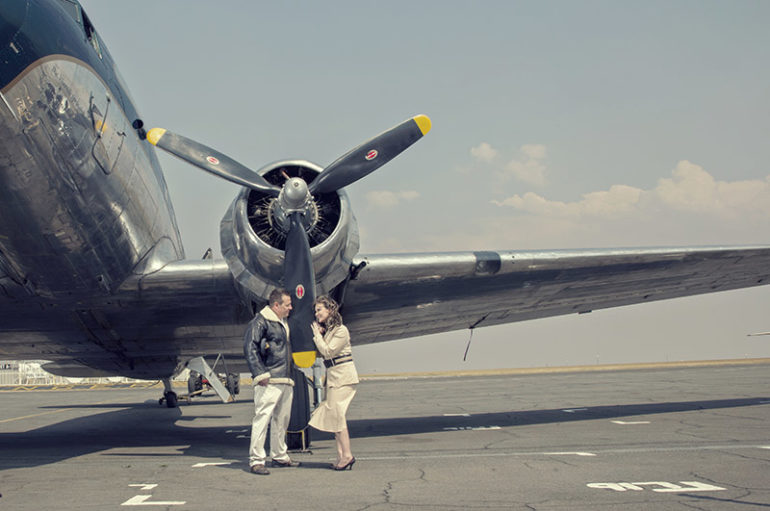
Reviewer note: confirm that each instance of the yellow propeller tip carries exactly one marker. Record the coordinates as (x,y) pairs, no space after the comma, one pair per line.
(154,135)
(304,358)
(423,122)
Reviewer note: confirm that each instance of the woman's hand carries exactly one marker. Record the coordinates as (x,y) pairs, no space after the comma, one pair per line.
(316,329)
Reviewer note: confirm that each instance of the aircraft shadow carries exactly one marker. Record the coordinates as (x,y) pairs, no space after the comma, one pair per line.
(428,424)
(174,434)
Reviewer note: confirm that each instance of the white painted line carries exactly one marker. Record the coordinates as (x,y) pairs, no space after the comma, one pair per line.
(471,428)
(200,465)
(693,486)
(236,431)
(457,415)
(576,453)
(665,487)
(243,436)
(569,454)
(142,500)
(573,410)
(627,423)
(484,455)
(144,486)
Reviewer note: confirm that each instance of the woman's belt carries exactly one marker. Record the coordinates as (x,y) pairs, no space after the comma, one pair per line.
(342,359)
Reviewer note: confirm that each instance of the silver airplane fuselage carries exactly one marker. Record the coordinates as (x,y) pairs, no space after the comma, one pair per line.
(83,202)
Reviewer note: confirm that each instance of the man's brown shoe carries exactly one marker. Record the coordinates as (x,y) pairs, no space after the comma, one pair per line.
(260,470)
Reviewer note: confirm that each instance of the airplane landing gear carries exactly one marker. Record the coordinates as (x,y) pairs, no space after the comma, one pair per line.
(169,396)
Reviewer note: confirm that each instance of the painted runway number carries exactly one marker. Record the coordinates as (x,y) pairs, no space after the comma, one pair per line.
(662,486)
(144,500)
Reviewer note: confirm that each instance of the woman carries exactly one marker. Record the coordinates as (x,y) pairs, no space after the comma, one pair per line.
(332,340)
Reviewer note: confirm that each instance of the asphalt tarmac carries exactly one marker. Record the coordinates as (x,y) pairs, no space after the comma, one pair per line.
(673,438)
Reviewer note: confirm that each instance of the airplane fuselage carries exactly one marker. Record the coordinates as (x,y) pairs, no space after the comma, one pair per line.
(83,202)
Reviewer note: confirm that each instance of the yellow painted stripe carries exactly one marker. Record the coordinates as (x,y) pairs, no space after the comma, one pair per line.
(304,358)
(154,135)
(33,415)
(423,122)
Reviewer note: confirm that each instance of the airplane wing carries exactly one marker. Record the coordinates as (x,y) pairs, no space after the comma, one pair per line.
(408,295)
(190,308)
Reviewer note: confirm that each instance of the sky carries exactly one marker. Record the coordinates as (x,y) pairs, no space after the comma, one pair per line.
(556,124)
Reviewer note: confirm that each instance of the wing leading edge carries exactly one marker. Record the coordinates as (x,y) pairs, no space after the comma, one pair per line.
(408,295)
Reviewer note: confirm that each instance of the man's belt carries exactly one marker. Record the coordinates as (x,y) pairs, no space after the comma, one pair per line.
(342,359)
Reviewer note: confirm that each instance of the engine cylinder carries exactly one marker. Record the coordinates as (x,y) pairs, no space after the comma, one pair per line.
(253,234)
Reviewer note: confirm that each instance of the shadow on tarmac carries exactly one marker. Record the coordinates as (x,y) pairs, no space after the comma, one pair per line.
(413,425)
(148,425)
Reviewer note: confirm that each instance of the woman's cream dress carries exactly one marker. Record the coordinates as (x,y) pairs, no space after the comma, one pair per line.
(341,381)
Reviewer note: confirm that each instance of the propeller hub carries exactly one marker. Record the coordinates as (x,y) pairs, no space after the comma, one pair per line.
(294,198)
(294,195)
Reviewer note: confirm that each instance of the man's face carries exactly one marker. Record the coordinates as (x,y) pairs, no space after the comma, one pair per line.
(282,308)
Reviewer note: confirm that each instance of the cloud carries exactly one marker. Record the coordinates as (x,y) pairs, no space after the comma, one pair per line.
(484,152)
(690,190)
(389,199)
(690,207)
(529,166)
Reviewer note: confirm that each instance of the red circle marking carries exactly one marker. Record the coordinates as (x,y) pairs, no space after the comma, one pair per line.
(212,160)
(300,291)
(371,154)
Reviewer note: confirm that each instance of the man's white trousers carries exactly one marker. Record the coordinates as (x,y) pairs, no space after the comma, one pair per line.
(272,405)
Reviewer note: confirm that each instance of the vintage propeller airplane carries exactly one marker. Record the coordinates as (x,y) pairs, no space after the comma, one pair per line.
(93,276)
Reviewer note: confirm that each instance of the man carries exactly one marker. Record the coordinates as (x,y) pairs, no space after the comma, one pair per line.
(268,354)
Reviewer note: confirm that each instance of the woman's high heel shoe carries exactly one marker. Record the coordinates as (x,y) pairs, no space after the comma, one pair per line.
(346,466)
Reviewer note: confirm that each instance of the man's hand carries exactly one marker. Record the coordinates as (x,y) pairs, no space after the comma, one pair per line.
(264,382)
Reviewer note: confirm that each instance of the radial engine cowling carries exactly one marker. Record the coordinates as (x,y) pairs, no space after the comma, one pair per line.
(254,228)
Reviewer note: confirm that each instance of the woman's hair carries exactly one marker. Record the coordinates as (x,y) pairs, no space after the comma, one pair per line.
(334,319)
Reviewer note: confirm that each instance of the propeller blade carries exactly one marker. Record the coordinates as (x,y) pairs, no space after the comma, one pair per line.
(210,160)
(371,155)
(299,279)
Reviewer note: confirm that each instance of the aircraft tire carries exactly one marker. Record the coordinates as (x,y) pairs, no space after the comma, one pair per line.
(194,382)
(170,398)
(232,383)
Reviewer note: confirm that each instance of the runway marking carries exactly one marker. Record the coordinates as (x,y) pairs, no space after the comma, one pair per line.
(144,486)
(564,453)
(480,455)
(200,465)
(471,428)
(573,410)
(629,423)
(142,500)
(34,415)
(665,487)
(569,454)
(51,412)
(457,415)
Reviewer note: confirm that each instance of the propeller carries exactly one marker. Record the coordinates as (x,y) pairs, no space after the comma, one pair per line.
(371,155)
(293,200)
(210,160)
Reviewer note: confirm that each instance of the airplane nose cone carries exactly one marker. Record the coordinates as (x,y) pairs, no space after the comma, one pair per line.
(295,193)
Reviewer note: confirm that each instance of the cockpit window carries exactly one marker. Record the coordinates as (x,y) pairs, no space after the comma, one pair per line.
(91,35)
(73,9)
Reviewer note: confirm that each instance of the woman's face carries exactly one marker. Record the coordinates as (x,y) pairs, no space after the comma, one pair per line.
(321,313)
